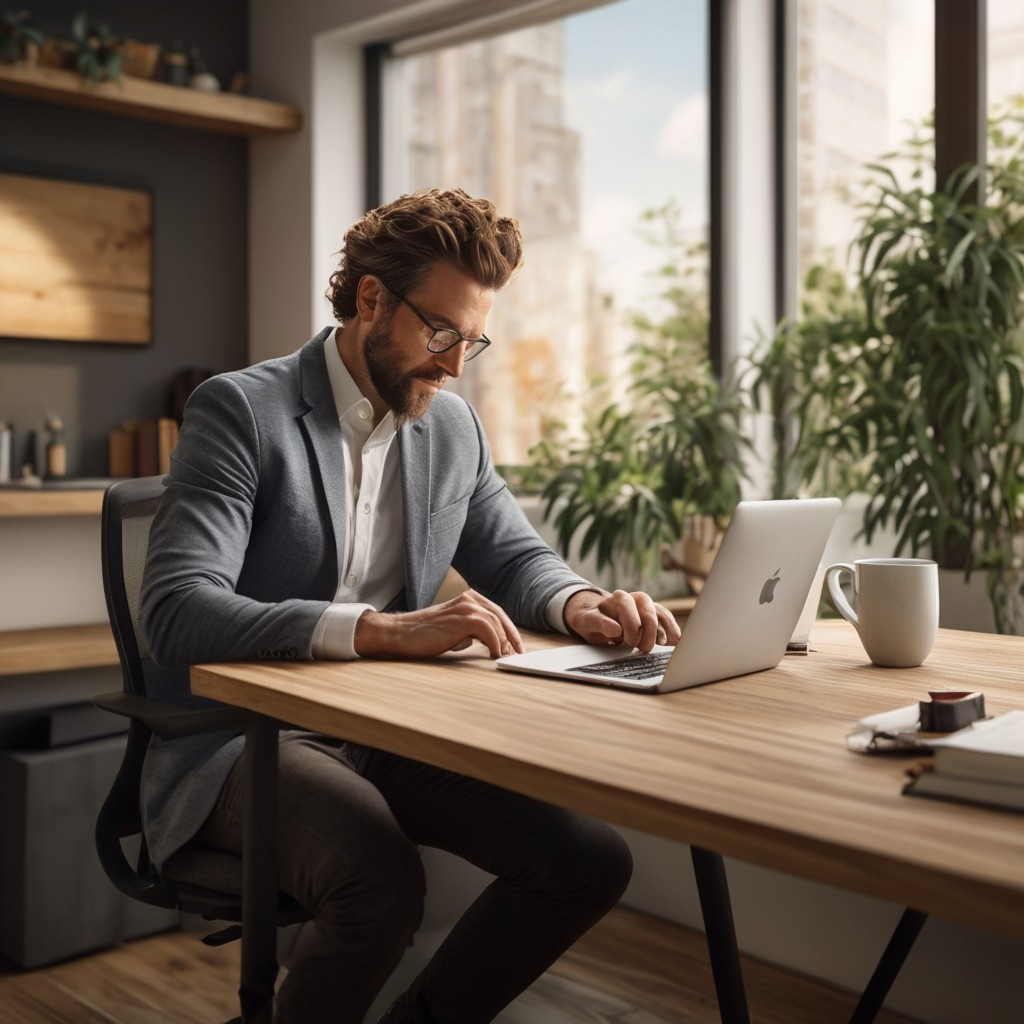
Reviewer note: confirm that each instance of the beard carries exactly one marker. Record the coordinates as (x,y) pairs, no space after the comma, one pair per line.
(395,385)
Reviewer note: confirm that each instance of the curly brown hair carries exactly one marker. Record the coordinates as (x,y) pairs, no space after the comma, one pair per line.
(400,241)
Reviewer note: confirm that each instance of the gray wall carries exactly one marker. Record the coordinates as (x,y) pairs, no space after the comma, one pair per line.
(199,184)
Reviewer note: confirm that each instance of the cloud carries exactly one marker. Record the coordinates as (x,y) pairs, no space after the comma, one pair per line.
(684,135)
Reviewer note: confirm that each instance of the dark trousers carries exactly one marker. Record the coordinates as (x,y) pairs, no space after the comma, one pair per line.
(349,823)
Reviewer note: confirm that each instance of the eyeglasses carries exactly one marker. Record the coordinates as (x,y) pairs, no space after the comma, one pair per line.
(444,338)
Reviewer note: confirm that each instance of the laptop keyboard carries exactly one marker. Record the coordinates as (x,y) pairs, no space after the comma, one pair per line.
(642,666)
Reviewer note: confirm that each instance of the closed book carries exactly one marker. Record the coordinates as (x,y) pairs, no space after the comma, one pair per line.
(926,781)
(167,438)
(121,461)
(992,749)
(147,453)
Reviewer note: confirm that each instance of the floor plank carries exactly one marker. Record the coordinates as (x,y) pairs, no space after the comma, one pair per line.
(630,969)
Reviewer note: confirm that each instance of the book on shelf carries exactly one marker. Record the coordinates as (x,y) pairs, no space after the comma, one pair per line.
(122,449)
(167,438)
(147,449)
(143,447)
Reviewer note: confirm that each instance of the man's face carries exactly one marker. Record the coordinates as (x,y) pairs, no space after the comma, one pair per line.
(402,370)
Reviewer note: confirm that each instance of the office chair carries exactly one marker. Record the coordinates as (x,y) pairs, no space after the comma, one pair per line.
(197,879)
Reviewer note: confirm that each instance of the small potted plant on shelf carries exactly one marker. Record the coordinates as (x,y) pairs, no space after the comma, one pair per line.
(98,54)
(18,40)
(665,461)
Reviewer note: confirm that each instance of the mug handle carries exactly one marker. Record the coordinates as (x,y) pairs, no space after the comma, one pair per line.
(835,593)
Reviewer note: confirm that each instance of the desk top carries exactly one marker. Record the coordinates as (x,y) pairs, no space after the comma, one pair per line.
(754,767)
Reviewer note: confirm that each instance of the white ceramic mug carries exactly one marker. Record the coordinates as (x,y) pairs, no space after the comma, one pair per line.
(896,609)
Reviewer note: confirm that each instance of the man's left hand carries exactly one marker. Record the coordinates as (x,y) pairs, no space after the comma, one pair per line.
(632,619)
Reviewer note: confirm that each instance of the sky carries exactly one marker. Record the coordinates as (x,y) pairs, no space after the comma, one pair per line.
(636,91)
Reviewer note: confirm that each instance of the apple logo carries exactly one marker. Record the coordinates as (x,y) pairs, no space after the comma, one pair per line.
(768,590)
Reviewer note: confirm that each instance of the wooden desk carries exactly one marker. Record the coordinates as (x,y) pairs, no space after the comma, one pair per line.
(754,768)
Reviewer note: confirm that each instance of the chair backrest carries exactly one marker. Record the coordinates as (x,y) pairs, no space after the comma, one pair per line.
(196,879)
(128,510)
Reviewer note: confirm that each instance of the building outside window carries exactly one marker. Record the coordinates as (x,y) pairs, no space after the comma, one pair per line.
(577,127)
(865,77)
(865,86)
(1005,54)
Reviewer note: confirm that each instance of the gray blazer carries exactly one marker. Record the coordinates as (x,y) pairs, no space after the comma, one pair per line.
(243,554)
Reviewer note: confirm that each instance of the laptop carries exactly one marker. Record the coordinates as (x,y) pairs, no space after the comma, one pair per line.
(758,590)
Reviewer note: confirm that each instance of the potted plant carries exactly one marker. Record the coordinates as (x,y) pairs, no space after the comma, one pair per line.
(18,40)
(923,398)
(804,376)
(98,54)
(671,451)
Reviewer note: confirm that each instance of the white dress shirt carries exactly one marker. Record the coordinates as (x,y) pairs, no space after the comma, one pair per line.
(371,569)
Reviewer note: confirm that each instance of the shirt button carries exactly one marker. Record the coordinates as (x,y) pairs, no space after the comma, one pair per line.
(366,451)
(363,414)
(366,509)
(351,580)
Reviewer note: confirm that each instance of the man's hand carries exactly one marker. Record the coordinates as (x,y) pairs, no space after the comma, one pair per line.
(431,631)
(632,619)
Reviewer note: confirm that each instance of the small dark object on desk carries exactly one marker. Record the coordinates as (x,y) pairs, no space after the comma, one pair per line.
(947,712)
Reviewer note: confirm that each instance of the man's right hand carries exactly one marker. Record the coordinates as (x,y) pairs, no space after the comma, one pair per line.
(433,631)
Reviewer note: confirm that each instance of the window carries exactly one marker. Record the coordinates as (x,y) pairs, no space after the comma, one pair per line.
(865,84)
(1005,54)
(578,127)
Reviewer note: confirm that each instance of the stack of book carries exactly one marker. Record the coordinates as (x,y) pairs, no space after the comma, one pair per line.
(143,447)
(982,764)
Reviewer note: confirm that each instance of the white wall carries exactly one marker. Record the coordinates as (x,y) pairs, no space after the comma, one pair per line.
(306,189)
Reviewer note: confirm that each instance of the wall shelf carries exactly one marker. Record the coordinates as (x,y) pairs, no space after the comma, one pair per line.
(223,113)
(29,502)
(56,649)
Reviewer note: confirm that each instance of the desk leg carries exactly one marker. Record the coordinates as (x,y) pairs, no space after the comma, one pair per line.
(895,954)
(713,889)
(259,871)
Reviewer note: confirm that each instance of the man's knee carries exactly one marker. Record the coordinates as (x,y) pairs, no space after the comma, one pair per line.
(381,897)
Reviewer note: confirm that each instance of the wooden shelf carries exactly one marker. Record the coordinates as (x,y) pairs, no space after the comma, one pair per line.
(40,501)
(24,651)
(224,113)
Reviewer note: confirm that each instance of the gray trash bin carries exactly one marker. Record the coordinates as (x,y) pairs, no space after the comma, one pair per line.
(55,900)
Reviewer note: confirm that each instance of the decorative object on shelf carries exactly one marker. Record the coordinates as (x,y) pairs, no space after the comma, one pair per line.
(175,61)
(51,229)
(18,40)
(6,451)
(239,85)
(56,449)
(56,53)
(98,54)
(200,78)
(141,60)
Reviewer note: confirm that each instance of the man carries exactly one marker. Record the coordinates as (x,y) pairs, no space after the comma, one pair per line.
(313,509)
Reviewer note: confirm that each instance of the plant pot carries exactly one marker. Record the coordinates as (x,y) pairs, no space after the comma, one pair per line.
(697,551)
(56,53)
(141,60)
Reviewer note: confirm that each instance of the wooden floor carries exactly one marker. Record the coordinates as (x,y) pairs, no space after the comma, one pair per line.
(630,969)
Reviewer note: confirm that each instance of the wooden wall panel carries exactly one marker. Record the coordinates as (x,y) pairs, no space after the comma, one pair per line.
(76,261)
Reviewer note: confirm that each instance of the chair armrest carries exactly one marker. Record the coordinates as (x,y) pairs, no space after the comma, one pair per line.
(168,721)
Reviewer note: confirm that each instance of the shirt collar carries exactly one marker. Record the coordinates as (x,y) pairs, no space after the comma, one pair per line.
(352,405)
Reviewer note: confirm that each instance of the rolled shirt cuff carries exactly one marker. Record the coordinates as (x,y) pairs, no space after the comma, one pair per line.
(334,637)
